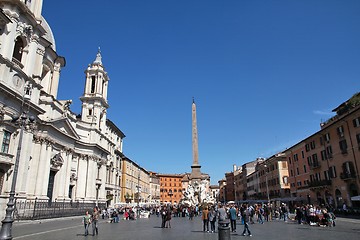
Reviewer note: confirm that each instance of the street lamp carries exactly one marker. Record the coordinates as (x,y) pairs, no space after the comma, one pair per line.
(170,194)
(25,123)
(267,185)
(235,192)
(138,191)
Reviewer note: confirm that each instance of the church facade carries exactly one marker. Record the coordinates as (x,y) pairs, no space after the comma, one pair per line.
(61,155)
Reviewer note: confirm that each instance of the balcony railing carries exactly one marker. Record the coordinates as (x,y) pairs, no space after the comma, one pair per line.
(347,176)
(321,183)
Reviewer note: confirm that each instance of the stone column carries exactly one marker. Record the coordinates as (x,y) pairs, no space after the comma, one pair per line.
(46,162)
(102,191)
(60,179)
(34,166)
(55,80)
(41,168)
(91,180)
(32,62)
(82,177)
(25,158)
(7,47)
(68,173)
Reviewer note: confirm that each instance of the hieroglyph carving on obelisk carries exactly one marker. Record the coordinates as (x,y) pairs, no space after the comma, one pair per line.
(195,168)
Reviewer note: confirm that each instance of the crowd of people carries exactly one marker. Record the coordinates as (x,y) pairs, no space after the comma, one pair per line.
(250,214)
(228,214)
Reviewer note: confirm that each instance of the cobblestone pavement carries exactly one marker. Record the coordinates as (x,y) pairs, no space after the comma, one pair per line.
(181,229)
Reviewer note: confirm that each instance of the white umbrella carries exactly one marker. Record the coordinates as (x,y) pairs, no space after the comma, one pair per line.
(355,198)
(230,202)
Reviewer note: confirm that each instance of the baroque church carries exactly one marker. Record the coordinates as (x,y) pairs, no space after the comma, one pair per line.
(56,154)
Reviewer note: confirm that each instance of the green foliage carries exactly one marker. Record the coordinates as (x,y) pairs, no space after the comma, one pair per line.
(350,104)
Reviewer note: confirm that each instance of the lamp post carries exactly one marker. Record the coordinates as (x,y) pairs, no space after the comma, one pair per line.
(267,185)
(138,195)
(224,195)
(235,192)
(170,194)
(138,191)
(24,122)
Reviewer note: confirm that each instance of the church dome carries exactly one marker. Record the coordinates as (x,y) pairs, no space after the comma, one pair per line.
(49,36)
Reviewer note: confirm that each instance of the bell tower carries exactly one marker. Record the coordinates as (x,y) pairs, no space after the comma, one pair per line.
(94,99)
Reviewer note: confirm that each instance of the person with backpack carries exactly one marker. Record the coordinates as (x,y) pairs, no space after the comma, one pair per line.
(252,213)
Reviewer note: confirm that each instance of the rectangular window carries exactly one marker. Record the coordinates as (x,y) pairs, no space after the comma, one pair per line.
(290,160)
(312,145)
(304,168)
(343,146)
(327,137)
(315,158)
(302,154)
(323,155)
(312,178)
(329,151)
(356,122)
(340,131)
(6,142)
(309,160)
(332,172)
(297,171)
(358,139)
(307,147)
(326,175)
(93,81)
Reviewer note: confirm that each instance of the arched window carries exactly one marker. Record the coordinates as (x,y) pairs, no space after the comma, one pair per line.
(18,49)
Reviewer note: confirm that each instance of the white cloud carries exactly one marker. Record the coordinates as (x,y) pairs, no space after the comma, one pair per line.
(320,112)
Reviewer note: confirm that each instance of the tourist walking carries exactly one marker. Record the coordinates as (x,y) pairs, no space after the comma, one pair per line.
(212,219)
(246,216)
(95,221)
(260,215)
(168,217)
(87,221)
(222,215)
(284,210)
(163,216)
(233,217)
(205,218)
(191,213)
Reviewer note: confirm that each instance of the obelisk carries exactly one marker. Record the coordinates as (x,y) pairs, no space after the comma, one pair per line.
(195,168)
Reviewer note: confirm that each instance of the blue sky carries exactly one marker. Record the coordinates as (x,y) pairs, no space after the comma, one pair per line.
(264,74)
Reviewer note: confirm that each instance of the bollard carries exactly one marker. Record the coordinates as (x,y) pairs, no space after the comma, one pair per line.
(224,230)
